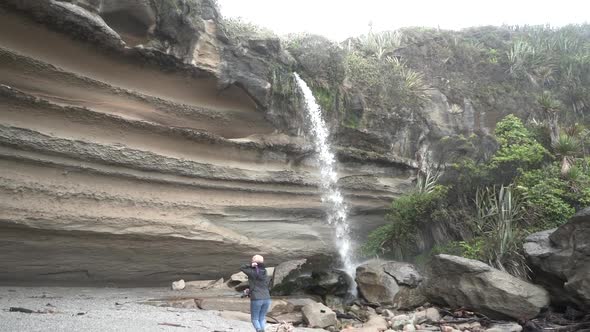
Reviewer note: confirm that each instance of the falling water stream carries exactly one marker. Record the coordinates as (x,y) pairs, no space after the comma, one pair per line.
(331,195)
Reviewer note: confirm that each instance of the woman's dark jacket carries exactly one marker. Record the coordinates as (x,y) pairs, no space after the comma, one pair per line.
(258,280)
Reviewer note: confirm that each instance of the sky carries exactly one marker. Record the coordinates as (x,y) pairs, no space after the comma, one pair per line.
(339,20)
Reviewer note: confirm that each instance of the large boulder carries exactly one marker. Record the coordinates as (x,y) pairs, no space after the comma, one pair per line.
(560,259)
(329,282)
(283,271)
(318,315)
(309,276)
(390,282)
(463,282)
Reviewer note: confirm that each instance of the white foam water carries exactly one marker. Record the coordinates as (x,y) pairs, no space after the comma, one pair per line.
(331,195)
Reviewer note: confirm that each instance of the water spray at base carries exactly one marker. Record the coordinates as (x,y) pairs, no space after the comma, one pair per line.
(331,195)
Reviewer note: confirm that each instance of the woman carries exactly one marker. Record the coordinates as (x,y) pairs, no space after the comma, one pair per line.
(259,293)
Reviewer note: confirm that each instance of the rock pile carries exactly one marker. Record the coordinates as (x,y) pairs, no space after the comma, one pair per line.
(455,294)
(449,294)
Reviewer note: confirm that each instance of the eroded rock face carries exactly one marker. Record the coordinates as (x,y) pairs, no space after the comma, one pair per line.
(283,270)
(184,35)
(184,29)
(561,259)
(461,282)
(138,144)
(390,282)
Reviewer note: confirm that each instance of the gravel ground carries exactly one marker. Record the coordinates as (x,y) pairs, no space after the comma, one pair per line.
(95,309)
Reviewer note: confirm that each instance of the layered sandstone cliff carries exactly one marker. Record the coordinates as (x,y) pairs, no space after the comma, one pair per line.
(138,144)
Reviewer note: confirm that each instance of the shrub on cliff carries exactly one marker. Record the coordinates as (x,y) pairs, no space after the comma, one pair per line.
(320,60)
(498,226)
(410,212)
(239,29)
(518,149)
(551,198)
(389,82)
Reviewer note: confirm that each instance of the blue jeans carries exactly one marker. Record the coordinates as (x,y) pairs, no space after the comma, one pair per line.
(258,310)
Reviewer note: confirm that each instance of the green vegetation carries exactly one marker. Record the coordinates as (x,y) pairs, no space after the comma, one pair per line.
(386,80)
(518,150)
(538,73)
(408,213)
(552,198)
(240,30)
(554,58)
(320,64)
(496,202)
(498,230)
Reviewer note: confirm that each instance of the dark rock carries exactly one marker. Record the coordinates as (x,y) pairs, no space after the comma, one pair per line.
(561,260)
(284,270)
(19,309)
(309,277)
(333,282)
(573,314)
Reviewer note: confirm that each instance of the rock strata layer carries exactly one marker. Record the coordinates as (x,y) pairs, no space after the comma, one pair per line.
(139,147)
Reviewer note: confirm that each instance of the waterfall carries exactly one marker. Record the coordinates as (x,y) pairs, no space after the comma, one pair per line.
(331,195)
